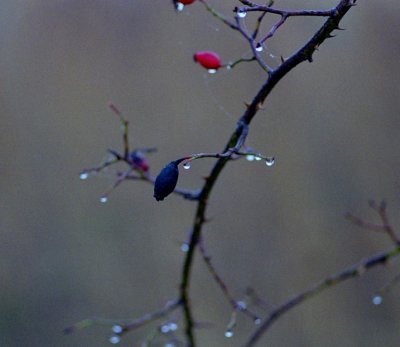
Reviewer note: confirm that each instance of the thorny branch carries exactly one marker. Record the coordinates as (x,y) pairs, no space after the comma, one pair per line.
(303,54)
(234,149)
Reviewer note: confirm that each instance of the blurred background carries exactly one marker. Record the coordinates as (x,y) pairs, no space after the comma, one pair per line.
(333,127)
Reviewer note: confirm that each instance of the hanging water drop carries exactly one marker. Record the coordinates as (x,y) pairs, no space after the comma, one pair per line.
(103,199)
(241,305)
(257,321)
(116,329)
(270,161)
(212,71)
(258,158)
(184,247)
(259,47)
(250,157)
(115,339)
(241,13)
(173,326)
(165,328)
(229,66)
(228,333)
(179,6)
(84,175)
(377,300)
(186,165)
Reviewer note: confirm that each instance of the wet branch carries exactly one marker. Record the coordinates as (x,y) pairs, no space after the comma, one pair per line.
(303,54)
(353,271)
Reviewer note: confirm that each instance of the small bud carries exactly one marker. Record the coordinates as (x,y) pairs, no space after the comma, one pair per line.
(166,180)
(208,59)
(139,161)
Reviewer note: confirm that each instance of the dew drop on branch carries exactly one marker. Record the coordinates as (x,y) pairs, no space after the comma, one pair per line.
(241,305)
(377,300)
(114,340)
(270,161)
(257,158)
(212,71)
(180,6)
(103,199)
(184,247)
(84,175)
(241,13)
(116,329)
(228,333)
(173,326)
(257,321)
(259,47)
(186,165)
(250,157)
(164,329)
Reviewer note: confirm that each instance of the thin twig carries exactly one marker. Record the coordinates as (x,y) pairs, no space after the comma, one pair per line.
(221,283)
(353,271)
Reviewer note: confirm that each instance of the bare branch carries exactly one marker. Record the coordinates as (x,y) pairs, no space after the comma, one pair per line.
(331,281)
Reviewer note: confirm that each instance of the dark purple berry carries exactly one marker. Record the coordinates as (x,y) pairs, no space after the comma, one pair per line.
(166,180)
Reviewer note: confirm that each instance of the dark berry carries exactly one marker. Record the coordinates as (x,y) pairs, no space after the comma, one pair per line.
(166,180)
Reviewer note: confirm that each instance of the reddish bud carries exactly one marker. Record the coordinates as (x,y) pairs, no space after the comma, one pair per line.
(139,161)
(208,59)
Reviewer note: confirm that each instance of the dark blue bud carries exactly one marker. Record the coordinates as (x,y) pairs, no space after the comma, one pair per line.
(166,180)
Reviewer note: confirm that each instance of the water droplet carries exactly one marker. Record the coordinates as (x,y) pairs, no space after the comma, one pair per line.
(173,326)
(250,157)
(241,13)
(169,345)
(115,339)
(184,247)
(241,305)
(116,329)
(84,175)
(229,67)
(179,6)
(212,71)
(258,158)
(259,47)
(228,333)
(270,161)
(165,328)
(377,300)
(103,199)
(257,321)
(186,165)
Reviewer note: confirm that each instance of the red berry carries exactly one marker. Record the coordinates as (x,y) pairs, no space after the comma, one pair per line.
(208,59)
(186,2)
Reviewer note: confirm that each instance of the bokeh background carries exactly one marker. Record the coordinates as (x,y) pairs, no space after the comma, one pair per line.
(333,127)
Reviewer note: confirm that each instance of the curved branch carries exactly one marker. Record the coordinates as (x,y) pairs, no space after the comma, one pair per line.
(303,54)
(331,281)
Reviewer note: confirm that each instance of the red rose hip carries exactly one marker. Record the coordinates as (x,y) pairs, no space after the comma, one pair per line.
(208,59)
